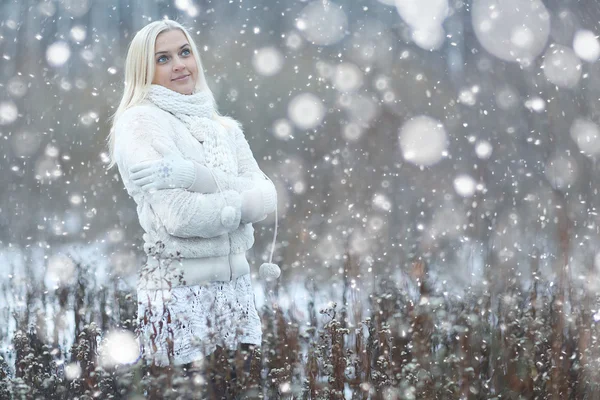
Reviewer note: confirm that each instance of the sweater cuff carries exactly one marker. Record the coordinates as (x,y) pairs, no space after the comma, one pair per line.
(203,180)
(187,174)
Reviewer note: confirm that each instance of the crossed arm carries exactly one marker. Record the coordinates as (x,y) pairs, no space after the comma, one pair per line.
(257,193)
(182,213)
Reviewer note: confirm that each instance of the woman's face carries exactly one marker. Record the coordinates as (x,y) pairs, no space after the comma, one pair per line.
(175,66)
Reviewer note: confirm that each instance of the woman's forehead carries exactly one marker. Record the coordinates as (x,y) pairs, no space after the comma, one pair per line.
(170,40)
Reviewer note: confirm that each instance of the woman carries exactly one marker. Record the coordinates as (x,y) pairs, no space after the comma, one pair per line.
(198,189)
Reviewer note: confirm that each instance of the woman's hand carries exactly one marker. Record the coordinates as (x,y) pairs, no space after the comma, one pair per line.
(251,205)
(171,171)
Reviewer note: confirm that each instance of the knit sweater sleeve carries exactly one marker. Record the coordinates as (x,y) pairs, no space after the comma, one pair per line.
(250,177)
(183,213)
(248,167)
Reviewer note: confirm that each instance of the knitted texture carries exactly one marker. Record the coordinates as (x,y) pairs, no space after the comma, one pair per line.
(196,112)
(187,223)
(198,319)
(229,157)
(192,224)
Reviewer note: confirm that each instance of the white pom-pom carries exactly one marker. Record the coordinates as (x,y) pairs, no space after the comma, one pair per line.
(228,216)
(269,271)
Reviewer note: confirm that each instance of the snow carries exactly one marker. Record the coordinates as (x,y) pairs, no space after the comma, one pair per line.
(322,22)
(267,61)
(465,185)
(118,347)
(78,33)
(586,134)
(461,134)
(426,19)
(8,112)
(423,140)
(586,46)
(306,110)
(561,66)
(561,171)
(58,53)
(347,77)
(512,30)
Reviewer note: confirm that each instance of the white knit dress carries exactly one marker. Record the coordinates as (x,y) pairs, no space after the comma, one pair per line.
(201,317)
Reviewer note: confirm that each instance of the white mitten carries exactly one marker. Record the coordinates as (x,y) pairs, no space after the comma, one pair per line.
(171,171)
(252,207)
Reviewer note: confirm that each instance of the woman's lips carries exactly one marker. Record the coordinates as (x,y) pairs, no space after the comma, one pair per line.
(182,78)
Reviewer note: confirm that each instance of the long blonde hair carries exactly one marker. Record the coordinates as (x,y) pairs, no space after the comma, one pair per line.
(139,72)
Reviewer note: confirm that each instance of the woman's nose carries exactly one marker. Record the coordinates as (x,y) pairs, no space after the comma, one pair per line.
(178,64)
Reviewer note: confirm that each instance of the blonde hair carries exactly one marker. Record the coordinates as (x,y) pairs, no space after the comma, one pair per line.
(139,73)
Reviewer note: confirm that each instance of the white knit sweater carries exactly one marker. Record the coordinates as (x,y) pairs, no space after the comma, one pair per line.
(190,224)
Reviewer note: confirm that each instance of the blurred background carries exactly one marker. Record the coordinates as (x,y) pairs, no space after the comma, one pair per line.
(462,134)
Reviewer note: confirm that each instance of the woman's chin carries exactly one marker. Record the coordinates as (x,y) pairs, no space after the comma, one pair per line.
(182,89)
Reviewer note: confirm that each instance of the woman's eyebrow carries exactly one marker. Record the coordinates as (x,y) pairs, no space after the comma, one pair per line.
(166,51)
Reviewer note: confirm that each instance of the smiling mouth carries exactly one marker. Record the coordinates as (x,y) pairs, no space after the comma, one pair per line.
(181,78)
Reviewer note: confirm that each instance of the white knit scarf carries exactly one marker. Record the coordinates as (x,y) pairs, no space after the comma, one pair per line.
(196,112)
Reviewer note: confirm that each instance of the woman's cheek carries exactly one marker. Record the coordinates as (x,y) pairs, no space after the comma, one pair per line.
(160,70)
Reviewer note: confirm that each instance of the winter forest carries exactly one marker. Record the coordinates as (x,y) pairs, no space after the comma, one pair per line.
(435,164)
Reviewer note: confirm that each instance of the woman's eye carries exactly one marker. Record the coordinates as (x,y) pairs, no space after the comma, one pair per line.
(186,52)
(162,59)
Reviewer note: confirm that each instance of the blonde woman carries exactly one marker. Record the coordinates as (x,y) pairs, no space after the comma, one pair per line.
(198,189)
